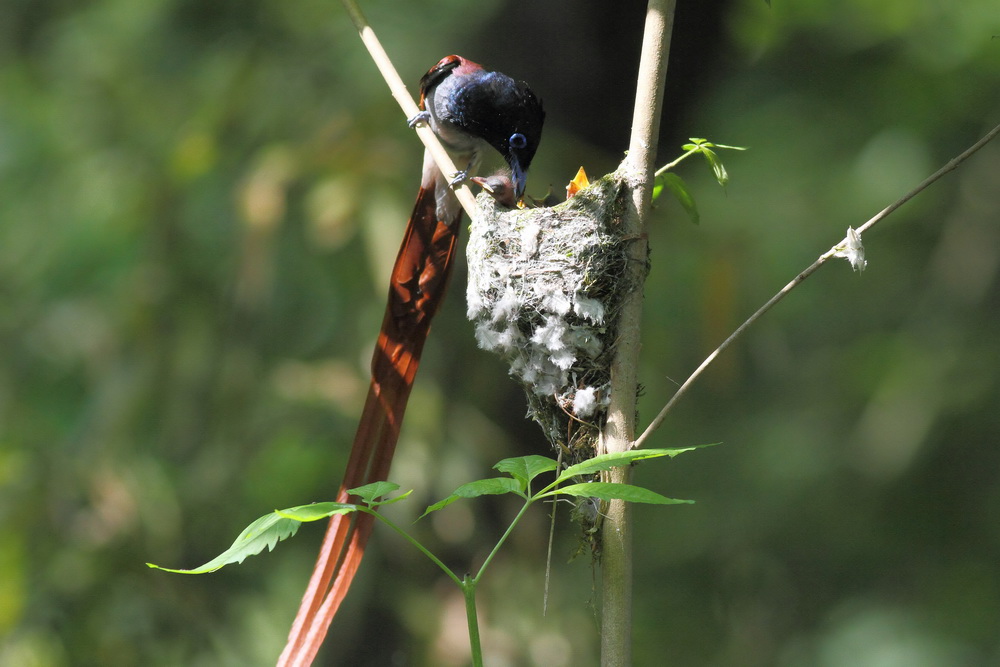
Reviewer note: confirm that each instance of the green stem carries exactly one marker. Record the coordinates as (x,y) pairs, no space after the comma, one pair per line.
(503,539)
(468,585)
(469,590)
(670,165)
(434,559)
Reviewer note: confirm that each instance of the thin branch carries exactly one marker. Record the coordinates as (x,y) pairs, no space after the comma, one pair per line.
(949,166)
(552,537)
(409,107)
(884,213)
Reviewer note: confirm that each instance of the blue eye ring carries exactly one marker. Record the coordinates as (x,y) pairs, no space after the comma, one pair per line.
(517,140)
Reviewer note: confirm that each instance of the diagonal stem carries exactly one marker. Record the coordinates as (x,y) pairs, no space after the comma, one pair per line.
(409,107)
(881,215)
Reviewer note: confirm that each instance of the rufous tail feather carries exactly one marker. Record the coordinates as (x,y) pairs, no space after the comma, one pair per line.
(419,278)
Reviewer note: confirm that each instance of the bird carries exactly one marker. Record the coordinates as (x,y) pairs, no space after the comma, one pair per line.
(499,186)
(469,108)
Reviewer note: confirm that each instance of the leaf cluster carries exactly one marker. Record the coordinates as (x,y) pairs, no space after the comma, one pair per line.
(520,473)
(667,179)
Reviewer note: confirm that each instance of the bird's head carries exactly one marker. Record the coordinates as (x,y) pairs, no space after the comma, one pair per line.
(500,186)
(518,132)
(506,114)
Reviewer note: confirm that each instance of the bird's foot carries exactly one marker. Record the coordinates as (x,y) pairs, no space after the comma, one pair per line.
(421,118)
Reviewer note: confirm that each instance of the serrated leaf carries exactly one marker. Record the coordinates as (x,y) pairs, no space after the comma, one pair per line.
(394,499)
(266,531)
(526,468)
(441,504)
(369,492)
(679,189)
(315,511)
(609,491)
(618,459)
(488,487)
(493,486)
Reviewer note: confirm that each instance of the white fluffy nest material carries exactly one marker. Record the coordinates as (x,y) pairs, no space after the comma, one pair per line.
(544,289)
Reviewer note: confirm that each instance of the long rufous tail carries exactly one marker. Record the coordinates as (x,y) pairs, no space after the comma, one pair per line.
(419,278)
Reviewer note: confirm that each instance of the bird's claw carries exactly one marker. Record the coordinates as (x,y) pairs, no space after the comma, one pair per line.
(420,118)
(459,178)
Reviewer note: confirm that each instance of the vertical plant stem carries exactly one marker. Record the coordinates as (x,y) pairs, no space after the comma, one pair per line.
(616,570)
(469,591)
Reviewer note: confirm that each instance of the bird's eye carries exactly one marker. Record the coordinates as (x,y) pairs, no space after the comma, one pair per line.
(518,140)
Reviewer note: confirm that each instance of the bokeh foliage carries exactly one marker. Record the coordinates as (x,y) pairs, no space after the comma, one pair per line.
(199,202)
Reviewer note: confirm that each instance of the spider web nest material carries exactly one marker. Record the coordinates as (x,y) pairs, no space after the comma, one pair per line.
(545,290)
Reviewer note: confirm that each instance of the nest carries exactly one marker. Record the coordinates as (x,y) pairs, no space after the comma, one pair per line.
(545,289)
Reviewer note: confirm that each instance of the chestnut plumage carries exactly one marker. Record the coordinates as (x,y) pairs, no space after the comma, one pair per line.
(468,108)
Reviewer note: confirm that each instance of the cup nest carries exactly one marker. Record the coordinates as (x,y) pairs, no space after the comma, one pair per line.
(545,290)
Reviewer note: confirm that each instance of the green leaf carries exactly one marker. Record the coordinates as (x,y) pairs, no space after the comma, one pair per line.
(369,492)
(394,499)
(441,504)
(717,168)
(526,468)
(266,531)
(610,491)
(493,486)
(674,451)
(701,144)
(657,187)
(315,511)
(618,459)
(679,189)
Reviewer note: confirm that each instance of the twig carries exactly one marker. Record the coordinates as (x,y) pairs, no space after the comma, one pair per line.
(616,555)
(409,107)
(949,166)
(552,537)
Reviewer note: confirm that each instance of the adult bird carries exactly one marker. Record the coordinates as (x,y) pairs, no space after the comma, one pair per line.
(468,108)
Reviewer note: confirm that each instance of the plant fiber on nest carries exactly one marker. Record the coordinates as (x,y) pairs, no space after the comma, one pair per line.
(545,289)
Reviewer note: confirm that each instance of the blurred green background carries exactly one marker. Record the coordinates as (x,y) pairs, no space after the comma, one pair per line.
(199,206)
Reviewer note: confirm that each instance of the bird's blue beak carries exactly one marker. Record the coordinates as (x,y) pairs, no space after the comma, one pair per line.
(518,176)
